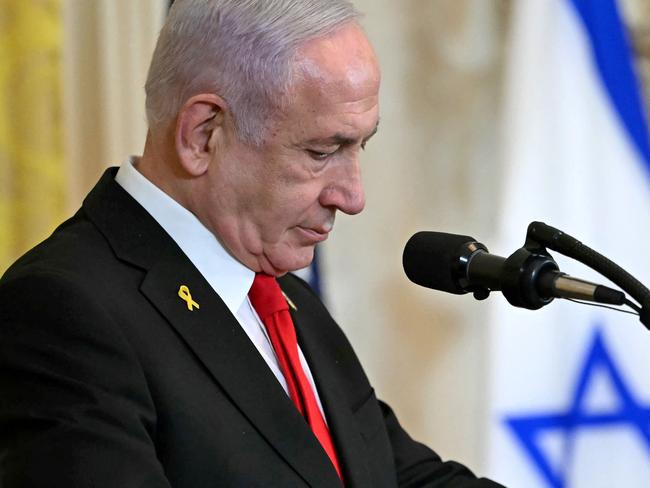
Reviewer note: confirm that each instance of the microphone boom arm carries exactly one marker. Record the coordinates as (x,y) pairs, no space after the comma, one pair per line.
(541,236)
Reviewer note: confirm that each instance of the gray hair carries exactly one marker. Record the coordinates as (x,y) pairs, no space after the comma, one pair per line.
(241,50)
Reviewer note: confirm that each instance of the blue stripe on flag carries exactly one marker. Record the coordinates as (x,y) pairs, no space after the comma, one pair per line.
(612,52)
(314,279)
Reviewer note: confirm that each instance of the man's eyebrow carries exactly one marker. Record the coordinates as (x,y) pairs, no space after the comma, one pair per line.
(342,140)
(372,133)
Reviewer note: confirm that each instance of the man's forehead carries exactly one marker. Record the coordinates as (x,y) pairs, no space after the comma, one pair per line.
(348,84)
(343,58)
(334,97)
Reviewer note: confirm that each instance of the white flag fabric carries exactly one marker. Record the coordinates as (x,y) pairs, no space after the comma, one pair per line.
(569,388)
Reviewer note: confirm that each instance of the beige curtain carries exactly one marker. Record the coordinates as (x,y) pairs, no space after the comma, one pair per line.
(108,46)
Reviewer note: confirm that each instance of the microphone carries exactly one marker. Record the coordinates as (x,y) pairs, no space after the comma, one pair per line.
(459,264)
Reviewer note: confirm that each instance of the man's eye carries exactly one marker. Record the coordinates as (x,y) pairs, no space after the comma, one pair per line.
(318,155)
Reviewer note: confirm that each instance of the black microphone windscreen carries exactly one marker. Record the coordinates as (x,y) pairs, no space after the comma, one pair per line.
(431,259)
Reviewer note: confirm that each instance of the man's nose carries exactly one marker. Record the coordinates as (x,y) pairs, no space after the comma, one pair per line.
(345,191)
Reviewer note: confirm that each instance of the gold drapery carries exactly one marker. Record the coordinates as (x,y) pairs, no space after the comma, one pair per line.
(32,174)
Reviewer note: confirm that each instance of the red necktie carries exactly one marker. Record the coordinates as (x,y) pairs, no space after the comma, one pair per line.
(270,304)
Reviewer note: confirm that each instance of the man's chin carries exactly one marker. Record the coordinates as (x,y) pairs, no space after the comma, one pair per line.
(281,264)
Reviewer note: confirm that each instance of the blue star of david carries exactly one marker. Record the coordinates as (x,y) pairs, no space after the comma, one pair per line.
(629,412)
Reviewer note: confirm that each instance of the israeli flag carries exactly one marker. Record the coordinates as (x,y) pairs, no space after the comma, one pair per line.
(569,387)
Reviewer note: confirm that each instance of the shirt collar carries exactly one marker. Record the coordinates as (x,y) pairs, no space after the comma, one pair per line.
(227,276)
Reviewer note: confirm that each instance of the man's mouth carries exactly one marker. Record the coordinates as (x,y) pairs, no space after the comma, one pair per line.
(315,234)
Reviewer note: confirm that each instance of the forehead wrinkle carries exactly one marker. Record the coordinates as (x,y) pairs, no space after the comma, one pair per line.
(361,86)
(358,107)
(324,112)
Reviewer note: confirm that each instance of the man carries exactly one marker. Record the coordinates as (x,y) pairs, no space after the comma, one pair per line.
(138,343)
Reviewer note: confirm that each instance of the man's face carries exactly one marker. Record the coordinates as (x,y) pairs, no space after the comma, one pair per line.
(270,205)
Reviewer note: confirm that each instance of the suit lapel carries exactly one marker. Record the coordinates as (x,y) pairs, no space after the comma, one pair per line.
(343,426)
(210,331)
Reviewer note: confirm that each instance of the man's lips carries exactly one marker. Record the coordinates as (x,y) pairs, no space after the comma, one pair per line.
(314,234)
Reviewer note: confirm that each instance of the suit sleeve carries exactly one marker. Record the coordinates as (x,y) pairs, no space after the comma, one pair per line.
(418,466)
(74,404)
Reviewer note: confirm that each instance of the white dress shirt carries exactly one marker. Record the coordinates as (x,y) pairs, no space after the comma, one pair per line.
(230,279)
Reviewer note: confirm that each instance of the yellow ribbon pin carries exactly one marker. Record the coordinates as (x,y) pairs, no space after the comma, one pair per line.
(184,293)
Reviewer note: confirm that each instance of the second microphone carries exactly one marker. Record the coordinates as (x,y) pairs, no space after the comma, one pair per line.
(459,264)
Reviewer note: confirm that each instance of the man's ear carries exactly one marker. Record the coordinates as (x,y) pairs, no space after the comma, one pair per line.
(198,121)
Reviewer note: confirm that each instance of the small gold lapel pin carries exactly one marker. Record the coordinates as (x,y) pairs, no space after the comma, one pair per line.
(184,293)
(291,304)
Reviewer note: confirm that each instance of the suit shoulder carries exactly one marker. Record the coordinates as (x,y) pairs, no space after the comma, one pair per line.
(68,251)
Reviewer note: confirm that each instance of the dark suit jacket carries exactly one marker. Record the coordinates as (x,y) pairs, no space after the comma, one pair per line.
(108,380)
